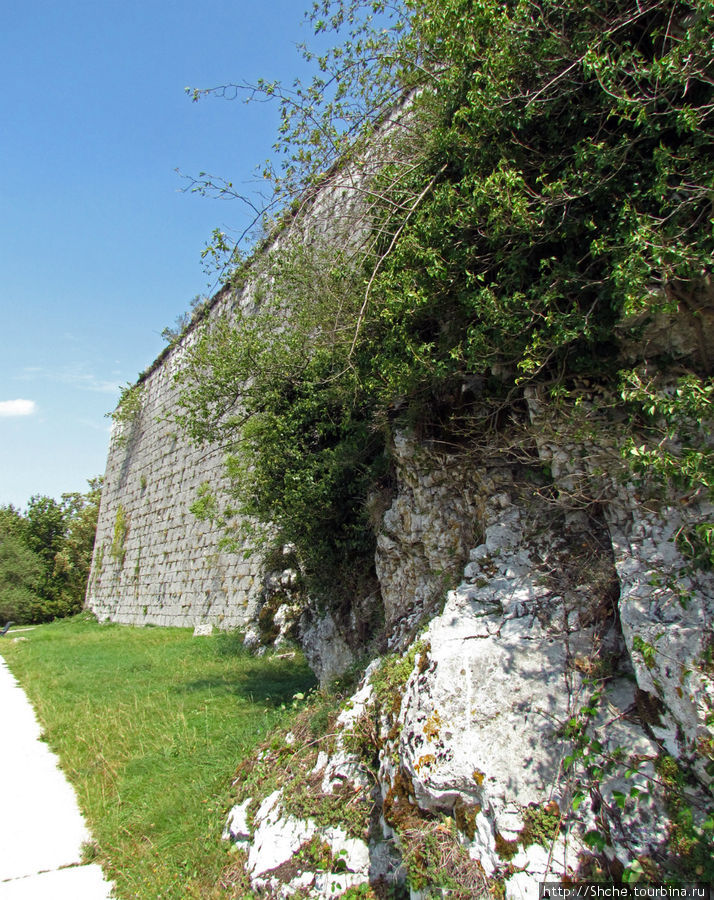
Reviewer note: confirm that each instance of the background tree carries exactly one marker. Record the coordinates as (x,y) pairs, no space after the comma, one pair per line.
(21,575)
(45,555)
(73,560)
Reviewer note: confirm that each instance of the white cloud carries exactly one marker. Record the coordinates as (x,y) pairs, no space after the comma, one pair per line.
(72,375)
(17,407)
(88,382)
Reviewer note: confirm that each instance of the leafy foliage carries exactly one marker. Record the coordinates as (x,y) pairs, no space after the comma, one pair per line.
(273,384)
(21,573)
(540,197)
(128,410)
(46,554)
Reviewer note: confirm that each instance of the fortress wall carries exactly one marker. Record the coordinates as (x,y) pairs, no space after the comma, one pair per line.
(169,569)
(154,562)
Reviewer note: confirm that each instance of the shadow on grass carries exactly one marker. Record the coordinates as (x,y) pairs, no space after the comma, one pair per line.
(230,643)
(266,680)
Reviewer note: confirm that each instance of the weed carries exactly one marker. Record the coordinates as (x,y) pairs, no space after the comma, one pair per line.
(316,855)
(363,739)
(437,864)
(390,679)
(691,834)
(99,563)
(540,825)
(89,851)
(128,411)
(465,817)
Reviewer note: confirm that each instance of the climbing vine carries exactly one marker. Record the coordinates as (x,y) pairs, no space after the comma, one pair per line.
(121,529)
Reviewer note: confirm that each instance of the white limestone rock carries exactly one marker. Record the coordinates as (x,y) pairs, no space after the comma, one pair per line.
(480,721)
(501,674)
(669,608)
(251,639)
(325,648)
(276,837)
(277,841)
(425,533)
(237,827)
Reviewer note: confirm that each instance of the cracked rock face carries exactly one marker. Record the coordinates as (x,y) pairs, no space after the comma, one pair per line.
(484,711)
(534,717)
(325,647)
(278,860)
(666,610)
(425,535)
(483,720)
(545,625)
(665,604)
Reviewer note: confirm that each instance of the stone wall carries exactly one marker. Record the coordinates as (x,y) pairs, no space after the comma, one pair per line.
(154,561)
(168,568)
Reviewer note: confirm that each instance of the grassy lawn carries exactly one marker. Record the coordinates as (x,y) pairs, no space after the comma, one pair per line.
(149,725)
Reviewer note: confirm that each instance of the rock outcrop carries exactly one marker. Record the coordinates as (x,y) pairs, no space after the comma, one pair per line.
(537,719)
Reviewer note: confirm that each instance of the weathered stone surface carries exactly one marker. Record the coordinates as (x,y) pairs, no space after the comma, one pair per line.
(325,647)
(668,606)
(425,534)
(530,677)
(277,837)
(495,684)
(237,828)
(274,861)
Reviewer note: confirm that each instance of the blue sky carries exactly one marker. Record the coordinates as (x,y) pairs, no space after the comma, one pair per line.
(99,247)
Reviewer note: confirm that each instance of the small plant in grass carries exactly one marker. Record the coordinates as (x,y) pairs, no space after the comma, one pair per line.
(89,851)
(363,738)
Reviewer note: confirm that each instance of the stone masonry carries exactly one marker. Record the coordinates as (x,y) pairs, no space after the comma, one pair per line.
(154,561)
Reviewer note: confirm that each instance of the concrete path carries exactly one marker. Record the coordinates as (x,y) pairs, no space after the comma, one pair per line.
(41,827)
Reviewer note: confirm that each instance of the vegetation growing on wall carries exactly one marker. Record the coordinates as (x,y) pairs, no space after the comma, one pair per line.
(45,555)
(121,529)
(548,198)
(128,411)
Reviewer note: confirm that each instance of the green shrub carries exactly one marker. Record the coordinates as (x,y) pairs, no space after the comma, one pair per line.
(547,196)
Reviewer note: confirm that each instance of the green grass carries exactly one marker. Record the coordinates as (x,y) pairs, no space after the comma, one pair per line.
(149,725)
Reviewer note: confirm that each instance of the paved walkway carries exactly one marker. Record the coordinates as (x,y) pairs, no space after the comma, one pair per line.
(41,827)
